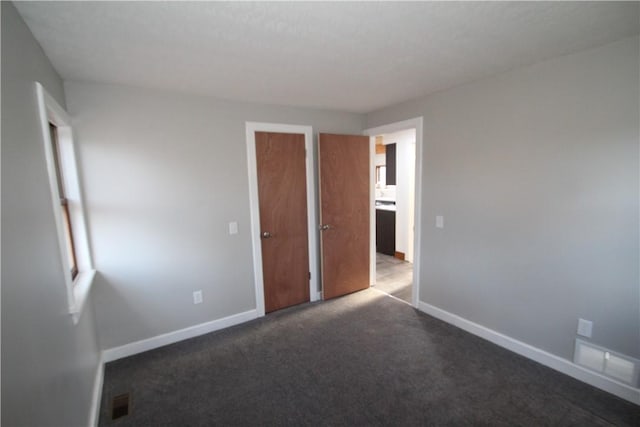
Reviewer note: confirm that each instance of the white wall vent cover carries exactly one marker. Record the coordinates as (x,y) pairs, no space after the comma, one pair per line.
(617,366)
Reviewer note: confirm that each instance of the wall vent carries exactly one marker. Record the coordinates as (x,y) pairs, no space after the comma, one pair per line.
(623,368)
(120,406)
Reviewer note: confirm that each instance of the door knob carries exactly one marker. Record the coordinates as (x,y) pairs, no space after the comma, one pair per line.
(266,235)
(324,227)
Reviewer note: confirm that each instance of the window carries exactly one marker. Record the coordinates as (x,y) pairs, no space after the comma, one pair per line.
(64,204)
(381,176)
(67,203)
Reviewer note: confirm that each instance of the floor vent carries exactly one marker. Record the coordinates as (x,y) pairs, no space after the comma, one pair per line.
(120,406)
(614,365)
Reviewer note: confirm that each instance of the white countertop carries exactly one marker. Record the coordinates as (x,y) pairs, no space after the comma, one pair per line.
(386,207)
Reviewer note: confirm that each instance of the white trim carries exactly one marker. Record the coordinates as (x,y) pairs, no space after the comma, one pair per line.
(81,289)
(559,364)
(96,397)
(415,123)
(136,347)
(77,289)
(372,210)
(251,129)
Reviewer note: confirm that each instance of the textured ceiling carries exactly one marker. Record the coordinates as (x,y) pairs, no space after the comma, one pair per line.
(347,56)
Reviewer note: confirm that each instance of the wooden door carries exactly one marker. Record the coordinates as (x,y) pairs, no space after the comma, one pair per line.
(344,213)
(282,196)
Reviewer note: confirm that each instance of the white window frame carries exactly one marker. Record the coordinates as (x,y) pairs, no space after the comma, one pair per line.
(77,289)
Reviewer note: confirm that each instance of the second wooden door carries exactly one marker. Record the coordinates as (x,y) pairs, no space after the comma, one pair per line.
(344,212)
(282,195)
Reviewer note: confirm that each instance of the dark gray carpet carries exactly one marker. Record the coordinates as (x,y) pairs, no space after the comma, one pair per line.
(365,359)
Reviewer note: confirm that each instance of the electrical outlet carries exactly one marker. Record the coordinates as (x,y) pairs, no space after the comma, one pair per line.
(197,297)
(233,227)
(439,221)
(585,327)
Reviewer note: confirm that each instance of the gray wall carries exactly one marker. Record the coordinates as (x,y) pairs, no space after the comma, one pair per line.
(163,175)
(536,174)
(48,363)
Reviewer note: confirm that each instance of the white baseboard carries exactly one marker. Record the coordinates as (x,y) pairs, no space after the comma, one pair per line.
(96,396)
(130,349)
(559,364)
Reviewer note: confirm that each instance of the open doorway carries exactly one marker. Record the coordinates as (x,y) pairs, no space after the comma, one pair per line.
(395,232)
(394,159)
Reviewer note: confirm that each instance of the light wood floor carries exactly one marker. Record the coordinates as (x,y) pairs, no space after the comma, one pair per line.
(394,276)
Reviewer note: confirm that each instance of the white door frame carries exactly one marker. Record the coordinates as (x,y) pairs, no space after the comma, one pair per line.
(307,131)
(389,128)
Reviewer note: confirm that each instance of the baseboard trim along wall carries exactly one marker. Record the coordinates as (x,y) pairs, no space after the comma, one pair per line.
(559,364)
(96,397)
(130,349)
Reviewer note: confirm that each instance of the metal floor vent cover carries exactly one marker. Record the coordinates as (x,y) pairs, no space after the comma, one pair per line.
(120,406)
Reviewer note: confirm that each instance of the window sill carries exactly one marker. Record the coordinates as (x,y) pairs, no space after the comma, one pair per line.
(81,289)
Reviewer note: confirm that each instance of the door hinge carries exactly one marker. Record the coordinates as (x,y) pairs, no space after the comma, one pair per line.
(309,275)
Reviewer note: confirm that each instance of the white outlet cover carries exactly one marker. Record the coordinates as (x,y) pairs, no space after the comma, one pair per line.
(197,297)
(233,227)
(439,221)
(585,328)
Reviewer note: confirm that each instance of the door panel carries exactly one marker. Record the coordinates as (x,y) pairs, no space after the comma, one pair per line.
(386,232)
(282,196)
(344,207)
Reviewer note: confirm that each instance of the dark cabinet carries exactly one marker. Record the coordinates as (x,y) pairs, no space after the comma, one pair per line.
(391,164)
(386,232)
